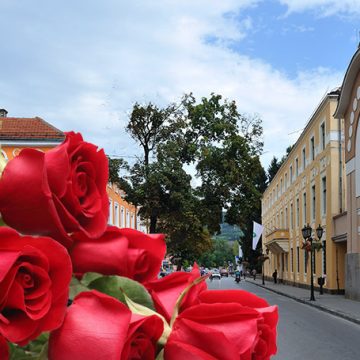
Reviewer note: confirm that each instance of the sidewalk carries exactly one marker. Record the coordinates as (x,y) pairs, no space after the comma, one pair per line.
(334,304)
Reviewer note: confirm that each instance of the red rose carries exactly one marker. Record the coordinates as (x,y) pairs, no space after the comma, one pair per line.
(124,252)
(166,291)
(58,192)
(268,317)
(226,331)
(4,348)
(35,274)
(98,326)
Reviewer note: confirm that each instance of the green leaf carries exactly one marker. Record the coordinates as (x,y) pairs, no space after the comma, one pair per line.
(117,286)
(90,277)
(35,350)
(160,355)
(76,287)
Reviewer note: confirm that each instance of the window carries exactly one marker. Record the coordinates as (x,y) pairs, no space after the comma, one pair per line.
(306,259)
(313,202)
(122,217)
(277,191)
(286,181)
(286,218)
(281,219)
(127,218)
(291,174)
(304,208)
(312,148)
(296,167)
(297,212)
(110,220)
(286,262)
(116,214)
(322,136)
(303,159)
(323,194)
(291,217)
(324,256)
(292,259)
(281,186)
(297,259)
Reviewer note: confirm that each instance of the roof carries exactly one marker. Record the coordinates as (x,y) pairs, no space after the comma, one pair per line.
(12,128)
(347,85)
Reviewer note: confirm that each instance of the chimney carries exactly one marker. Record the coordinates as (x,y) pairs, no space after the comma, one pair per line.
(3,113)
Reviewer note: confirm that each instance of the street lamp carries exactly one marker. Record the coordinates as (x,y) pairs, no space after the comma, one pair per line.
(306,233)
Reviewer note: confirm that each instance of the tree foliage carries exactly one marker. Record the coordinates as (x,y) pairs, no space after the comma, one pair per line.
(220,254)
(222,147)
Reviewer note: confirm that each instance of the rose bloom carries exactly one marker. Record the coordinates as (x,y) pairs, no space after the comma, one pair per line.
(227,331)
(166,291)
(35,274)
(98,326)
(4,349)
(58,192)
(123,252)
(268,317)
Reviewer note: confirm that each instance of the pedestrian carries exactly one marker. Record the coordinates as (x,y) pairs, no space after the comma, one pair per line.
(274,275)
(253,273)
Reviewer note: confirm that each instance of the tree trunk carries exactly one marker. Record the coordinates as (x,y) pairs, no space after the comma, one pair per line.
(153,221)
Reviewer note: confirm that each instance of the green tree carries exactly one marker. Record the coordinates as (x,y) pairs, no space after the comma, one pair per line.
(273,168)
(219,255)
(220,143)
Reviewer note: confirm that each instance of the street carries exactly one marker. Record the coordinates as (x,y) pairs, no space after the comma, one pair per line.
(304,332)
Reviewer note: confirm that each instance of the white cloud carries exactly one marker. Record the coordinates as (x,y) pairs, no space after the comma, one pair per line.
(82,67)
(324,7)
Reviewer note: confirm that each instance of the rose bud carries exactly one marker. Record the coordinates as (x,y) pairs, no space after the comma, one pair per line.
(166,291)
(123,252)
(226,331)
(268,316)
(98,326)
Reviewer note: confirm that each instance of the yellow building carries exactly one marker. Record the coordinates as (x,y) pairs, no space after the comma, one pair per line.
(308,189)
(19,133)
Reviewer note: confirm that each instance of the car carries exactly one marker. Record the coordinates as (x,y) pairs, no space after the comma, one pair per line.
(215,274)
(224,272)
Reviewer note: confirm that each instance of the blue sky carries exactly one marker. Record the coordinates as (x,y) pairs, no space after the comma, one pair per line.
(81,65)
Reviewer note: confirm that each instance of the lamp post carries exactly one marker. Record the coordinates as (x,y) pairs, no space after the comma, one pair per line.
(306,233)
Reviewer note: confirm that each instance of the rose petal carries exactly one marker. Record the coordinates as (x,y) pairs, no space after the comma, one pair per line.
(26,202)
(166,291)
(95,327)
(107,255)
(142,336)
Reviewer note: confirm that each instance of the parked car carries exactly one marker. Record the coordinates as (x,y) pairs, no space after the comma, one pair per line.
(224,272)
(215,274)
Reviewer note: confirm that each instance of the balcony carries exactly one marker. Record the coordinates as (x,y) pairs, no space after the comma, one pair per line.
(278,241)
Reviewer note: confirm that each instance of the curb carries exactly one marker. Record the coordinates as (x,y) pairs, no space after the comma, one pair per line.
(310,303)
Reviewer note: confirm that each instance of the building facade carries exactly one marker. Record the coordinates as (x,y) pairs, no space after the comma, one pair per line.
(20,133)
(349,226)
(121,213)
(308,189)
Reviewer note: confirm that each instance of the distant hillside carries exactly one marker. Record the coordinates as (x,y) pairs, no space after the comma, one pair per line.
(229,232)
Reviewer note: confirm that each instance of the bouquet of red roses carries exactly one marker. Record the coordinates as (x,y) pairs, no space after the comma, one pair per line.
(73,288)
